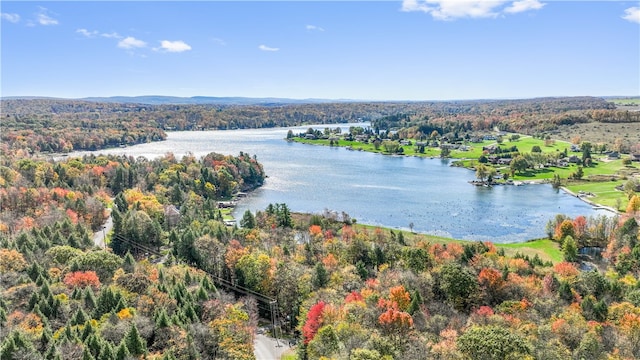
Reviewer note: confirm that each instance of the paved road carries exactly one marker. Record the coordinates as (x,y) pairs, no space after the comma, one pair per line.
(266,348)
(99,236)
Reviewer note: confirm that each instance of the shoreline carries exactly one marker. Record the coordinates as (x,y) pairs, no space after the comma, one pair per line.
(595,205)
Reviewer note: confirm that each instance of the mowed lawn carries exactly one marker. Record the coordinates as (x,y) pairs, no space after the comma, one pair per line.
(605,191)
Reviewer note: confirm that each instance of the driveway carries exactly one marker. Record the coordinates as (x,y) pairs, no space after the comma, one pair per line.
(266,348)
(100,235)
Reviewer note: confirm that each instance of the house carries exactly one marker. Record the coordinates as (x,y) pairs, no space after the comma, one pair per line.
(575,148)
(574,159)
(449,146)
(491,148)
(310,137)
(504,161)
(613,155)
(635,157)
(171,215)
(405,142)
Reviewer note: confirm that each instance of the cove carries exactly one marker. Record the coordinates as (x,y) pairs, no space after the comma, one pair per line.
(389,191)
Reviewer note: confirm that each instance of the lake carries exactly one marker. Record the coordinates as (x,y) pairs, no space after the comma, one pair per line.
(389,191)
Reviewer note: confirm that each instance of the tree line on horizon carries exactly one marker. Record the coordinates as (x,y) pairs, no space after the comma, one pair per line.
(55,125)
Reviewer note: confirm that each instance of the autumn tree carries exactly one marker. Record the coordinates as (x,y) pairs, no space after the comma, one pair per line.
(312,322)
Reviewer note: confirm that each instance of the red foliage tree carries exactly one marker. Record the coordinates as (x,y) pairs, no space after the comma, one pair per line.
(82,279)
(314,321)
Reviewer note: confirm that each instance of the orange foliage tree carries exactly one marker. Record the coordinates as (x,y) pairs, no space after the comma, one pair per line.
(82,279)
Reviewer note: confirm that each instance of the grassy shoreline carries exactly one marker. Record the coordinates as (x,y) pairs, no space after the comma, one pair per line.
(600,179)
(546,249)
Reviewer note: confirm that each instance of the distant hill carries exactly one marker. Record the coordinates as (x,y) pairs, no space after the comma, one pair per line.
(162,100)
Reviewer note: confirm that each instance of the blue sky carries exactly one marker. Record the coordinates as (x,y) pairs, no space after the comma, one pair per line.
(381,50)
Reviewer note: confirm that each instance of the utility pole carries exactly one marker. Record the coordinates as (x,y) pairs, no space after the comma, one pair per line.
(273,305)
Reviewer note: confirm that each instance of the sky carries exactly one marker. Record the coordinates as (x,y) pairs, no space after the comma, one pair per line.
(359,50)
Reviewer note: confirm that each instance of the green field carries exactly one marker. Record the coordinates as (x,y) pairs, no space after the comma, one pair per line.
(546,249)
(605,192)
(626,101)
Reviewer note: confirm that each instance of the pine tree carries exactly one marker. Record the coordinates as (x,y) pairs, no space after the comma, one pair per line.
(129,264)
(33,300)
(416,301)
(122,353)
(201,295)
(321,277)
(80,317)
(89,298)
(570,249)
(162,320)
(134,342)
(93,344)
(207,284)
(52,353)
(106,351)
(86,354)
(87,332)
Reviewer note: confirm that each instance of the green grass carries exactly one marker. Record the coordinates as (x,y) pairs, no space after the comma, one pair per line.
(625,101)
(289,356)
(605,192)
(545,248)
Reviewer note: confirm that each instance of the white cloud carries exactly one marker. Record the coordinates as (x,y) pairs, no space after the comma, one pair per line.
(632,14)
(87,33)
(130,43)
(314,28)
(112,35)
(14,18)
(267,48)
(453,9)
(524,5)
(44,19)
(174,46)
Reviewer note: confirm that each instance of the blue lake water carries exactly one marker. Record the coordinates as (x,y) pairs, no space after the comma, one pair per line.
(390,191)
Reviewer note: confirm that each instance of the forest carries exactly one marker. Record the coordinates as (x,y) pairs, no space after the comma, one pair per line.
(57,125)
(173,280)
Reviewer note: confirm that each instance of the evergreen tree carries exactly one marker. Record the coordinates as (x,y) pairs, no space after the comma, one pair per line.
(162,320)
(134,342)
(87,332)
(106,302)
(93,344)
(129,264)
(89,298)
(416,301)
(80,317)
(248,221)
(122,353)
(570,249)
(320,276)
(106,351)
(86,354)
